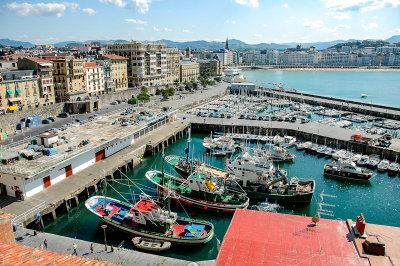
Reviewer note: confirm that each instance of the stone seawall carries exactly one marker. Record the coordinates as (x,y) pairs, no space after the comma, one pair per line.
(108,98)
(9,121)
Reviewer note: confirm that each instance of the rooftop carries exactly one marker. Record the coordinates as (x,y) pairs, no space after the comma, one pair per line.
(115,57)
(38,60)
(266,238)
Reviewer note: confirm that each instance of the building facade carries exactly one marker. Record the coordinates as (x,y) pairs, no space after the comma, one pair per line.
(147,62)
(69,79)
(189,71)
(115,72)
(173,67)
(212,67)
(19,90)
(44,71)
(94,78)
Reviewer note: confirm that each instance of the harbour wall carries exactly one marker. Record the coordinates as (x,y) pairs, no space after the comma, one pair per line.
(206,128)
(330,102)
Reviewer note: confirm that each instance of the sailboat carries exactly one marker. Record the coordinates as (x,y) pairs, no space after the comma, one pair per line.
(147,219)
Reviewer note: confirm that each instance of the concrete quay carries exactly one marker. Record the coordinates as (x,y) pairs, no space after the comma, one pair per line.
(120,256)
(319,133)
(340,104)
(69,191)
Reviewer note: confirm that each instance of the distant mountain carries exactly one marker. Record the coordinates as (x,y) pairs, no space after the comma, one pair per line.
(69,43)
(394,39)
(7,42)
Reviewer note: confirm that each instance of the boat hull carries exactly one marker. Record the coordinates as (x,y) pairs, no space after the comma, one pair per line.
(338,175)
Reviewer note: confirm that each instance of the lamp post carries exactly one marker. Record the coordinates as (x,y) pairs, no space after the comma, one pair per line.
(105,239)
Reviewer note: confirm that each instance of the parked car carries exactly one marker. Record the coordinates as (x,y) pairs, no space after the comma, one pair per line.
(45,121)
(52,119)
(64,115)
(114,103)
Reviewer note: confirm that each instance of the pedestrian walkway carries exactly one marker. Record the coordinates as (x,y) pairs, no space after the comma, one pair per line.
(120,256)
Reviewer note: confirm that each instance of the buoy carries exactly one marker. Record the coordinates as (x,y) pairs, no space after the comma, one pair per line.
(205,208)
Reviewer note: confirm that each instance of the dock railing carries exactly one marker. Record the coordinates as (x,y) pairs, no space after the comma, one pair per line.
(20,219)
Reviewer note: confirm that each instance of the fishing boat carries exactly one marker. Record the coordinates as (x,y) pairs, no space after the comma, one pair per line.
(276,153)
(329,151)
(347,170)
(151,245)
(383,165)
(296,191)
(199,191)
(147,219)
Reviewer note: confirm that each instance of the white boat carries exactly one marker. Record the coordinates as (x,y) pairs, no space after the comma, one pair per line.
(356,156)
(363,160)
(150,244)
(338,154)
(383,165)
(364,95)
(394,168)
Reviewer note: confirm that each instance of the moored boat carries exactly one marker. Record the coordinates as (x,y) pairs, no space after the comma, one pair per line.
(347,170)
(373,161)
(199,191)
(363,160)
(146,219)
(393,168)
(383,165)
(151,245)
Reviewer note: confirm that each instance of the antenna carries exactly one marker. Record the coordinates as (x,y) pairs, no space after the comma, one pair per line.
(321,205)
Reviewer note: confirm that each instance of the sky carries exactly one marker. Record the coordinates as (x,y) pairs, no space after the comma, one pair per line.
(252,21)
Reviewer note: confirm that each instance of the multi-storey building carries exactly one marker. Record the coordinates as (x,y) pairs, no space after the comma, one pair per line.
(147,62)
(69,79)
(173,67)
(19,90)
(335,59)
(299,58)
(226,56)
(44,70)
(189,70)
(213,67)
(94,79)
(115,72)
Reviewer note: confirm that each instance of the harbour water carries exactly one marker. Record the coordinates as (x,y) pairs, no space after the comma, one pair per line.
(378,199)
(382,87)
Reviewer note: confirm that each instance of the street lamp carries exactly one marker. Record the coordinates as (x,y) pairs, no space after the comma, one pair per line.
(105,239)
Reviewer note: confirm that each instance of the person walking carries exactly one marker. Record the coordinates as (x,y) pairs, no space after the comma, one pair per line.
(91,248)
(41,246)
(75,247)
(45,243)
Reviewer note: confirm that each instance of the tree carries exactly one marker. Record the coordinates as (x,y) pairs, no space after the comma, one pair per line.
(211,82)
(176,82)
(171,91)
(144,90)
(132,101)
(218,79)
(203,82)
(195,85)
(143,97)
(158,91)
(188,86)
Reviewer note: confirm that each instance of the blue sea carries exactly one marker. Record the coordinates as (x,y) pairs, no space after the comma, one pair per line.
(382,87)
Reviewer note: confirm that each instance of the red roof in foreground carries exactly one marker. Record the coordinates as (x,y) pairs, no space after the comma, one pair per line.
(14,254)
(113,56)
(265,238)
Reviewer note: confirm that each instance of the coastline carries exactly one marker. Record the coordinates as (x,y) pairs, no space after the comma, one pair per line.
(327,69)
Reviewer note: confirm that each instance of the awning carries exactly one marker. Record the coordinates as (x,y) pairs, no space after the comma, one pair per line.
(12,108)
(9,92)
(18,90)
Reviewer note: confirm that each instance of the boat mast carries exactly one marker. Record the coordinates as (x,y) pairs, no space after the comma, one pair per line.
(187,150)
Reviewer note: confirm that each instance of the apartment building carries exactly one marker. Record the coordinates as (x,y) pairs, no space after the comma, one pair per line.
(147,62)
(94,79)
(115,72)
(19,90)
(173,67)
(213,67)
(189,70)
(69,79)
(43,69)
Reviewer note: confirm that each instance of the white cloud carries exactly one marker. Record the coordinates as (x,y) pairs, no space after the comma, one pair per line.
(156,29)
(256,35)
(369,26)
(265,25)
(139,28)
(186,31)
(285,5)
(339,15)
(397,30)
(41,9)
(287,21)
(142,5)
(118,3)
(90,11)
(135,21)
(230,22)
(375,17)
(167,29)
(312,24)
(359,5)
(249,3)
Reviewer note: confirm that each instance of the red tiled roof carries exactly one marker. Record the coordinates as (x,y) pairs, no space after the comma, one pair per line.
(266,238)
(38,60)
(13,254)
(113,56)
(90,64)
